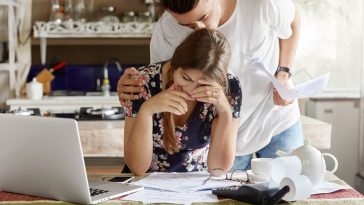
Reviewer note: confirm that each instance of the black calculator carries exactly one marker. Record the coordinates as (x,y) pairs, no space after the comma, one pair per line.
(253,194)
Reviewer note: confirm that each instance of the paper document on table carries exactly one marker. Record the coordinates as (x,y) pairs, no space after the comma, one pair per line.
(329,187)
(183,182)
(148,196)
(304,90)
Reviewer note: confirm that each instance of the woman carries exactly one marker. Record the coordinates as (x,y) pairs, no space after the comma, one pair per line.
(184,120)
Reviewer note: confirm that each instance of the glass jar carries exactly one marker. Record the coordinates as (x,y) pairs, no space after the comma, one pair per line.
(108,15)
(57,11)
(129,16)
(79,11)
(144,17)
(68,10)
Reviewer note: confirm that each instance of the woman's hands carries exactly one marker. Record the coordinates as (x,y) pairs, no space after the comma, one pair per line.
(212,92)
(170,100)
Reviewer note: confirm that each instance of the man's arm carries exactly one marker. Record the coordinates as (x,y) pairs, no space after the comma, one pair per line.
(288,47)
(287,54)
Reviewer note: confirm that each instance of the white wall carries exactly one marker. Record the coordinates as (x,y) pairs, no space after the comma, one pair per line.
(344,116)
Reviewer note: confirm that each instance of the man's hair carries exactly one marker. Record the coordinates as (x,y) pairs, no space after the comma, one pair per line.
(179,6)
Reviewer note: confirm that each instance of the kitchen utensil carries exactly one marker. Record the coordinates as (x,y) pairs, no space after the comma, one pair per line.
(46,76)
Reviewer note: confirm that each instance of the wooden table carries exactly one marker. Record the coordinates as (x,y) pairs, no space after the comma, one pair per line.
(349,196)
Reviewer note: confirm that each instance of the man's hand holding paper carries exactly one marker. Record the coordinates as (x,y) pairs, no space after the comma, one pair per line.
(286,81)
(304,90)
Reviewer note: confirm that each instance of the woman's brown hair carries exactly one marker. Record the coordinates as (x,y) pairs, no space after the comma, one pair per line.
(205,50)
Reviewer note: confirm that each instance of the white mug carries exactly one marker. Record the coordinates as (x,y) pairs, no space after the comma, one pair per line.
(262,166)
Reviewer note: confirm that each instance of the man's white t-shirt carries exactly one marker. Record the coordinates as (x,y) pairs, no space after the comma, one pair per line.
(253,31)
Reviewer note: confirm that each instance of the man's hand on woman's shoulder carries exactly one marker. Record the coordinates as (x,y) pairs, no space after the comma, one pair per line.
(128,88)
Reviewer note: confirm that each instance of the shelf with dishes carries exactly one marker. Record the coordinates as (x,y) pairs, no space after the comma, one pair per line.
(99,29)
(90,33)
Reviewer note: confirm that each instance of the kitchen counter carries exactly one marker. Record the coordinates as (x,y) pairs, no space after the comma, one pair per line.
(64,103)
(105,138)
(102,138)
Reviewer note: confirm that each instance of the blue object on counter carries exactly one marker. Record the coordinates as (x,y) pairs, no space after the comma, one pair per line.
(81,77)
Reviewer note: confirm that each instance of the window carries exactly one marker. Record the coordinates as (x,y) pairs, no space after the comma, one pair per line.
(331,41)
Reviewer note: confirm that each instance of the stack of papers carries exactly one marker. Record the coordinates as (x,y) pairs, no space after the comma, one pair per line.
(183,182)
(180,188)
(148,196)
(187,188)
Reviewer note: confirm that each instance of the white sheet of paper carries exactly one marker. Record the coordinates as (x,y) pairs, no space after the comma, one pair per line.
(158,196)
(182,182)
(308,89)
(329,187)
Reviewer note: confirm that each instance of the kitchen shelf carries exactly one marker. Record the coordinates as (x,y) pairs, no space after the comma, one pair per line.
(93,41)
(90,33)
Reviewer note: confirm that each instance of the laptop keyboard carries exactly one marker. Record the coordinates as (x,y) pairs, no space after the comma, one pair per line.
(95,192)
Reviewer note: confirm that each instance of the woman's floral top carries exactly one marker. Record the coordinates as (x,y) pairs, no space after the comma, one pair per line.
(193,137)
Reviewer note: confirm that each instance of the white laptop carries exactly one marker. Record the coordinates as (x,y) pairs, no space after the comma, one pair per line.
(42,156)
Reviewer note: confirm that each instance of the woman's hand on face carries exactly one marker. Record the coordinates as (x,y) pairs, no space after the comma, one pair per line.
(170,100)
(212,92)
(129,89)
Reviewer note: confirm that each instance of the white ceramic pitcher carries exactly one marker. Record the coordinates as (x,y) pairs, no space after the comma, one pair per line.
(313,162)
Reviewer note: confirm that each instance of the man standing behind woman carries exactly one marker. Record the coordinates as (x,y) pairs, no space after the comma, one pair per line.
(265,29)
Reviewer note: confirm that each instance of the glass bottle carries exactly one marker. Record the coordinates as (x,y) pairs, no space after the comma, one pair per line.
(145,17)
(57,11)
(129,16)
(80,11)
(68,10)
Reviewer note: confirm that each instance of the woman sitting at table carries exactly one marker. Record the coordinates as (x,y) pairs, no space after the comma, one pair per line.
(187,117)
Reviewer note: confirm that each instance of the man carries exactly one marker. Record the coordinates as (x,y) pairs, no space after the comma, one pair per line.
(265,29)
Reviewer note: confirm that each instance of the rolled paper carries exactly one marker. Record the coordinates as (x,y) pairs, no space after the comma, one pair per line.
(300,187)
